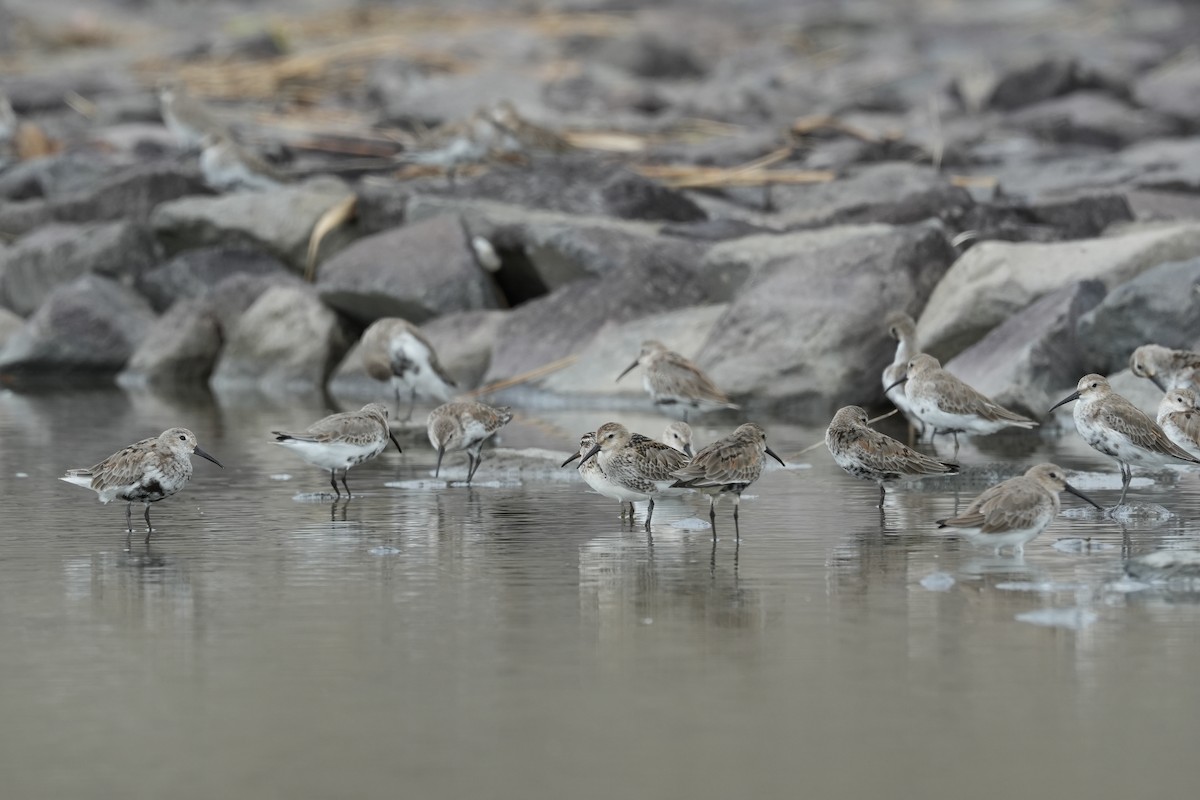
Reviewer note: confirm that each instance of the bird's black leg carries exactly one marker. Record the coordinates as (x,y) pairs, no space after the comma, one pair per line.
(955,456)
(737,503)
(412,404)
(712,516)
(649,514)
(149,527)
(345,472)
(882,495)
(129,517)
(333,482)
(1126,477)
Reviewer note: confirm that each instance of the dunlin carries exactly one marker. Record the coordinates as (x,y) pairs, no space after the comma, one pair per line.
(395,350)
(187,118)
(1169,369)
(635,463)
(1116,427)
(948,405)
(679,436)
(671,379)
(144,472)
(727,466)
(342,441)
(868,454)
(1013,512)
(464,425)
(227,167)
(1179,418)
(900,326)
(594,477)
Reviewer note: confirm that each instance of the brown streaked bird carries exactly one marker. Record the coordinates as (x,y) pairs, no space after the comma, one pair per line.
(342,441)
(1169,369)
(638,466)
(865,453)
(395,350)
(949,405)
(672,380)
(594,477)
(1013,512)
(144,472)
(903,329)
(728,466)
(1179,418)
(464,425)
(1119,429)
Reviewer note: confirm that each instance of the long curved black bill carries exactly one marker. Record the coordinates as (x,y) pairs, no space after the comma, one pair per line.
(894,385)
(687,450)
(392,436)
(626,371)
(1081,495)
(1063,402)
(595,449)
(203,454)
(438,468)
(772,454)
(1159,382)
(569,460)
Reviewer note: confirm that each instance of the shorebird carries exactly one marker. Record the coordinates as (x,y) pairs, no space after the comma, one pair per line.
(594,477)
(900,326)
(144,472)
(395,350)
(865,453)
(679,436)
(1013,512)
(1179,418)
(727,466)
(342,441)
(950,406)
(1116,427)
(639,465)
(227,167)
(671,379)
(187,118)
(1169,369)
(464,425)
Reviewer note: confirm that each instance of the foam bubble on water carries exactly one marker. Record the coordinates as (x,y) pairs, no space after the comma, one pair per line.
(383,551)
(22,475)
(1071,618)
(1039,586)
(280,476)
(1125,585)
(938,581)
(1078,545)
(1133,511)
(419,483)
(691,524)
(1083,512)
(314,497)
(1098,481)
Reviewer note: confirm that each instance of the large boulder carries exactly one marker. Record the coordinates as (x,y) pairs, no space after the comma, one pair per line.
(1035,357)
(1157,307)
(193,273)
(90,326)
(181,347)
(994,280)
(288,340)
(1093,118)
(279,221)
(805,334)
(1172,89)
(416,272)
(133,193)
(57,253)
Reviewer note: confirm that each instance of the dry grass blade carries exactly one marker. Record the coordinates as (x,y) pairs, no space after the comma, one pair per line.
(607,141)
(688,176)
(333,218)
(872,421)
(524,377)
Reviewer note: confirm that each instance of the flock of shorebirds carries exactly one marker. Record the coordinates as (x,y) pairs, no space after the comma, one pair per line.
(629,467)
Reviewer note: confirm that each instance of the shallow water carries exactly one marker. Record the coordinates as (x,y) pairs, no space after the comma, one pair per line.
(513,640)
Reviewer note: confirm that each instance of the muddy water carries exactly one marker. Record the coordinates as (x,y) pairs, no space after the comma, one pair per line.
(514,640)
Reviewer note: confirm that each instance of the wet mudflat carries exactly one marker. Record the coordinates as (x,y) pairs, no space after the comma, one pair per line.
(513,640)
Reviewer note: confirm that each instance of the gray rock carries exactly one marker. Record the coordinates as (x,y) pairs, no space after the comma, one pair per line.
(56,254)
(90,326)
(55,176)
(10,323)
(193,273)
(1157,307)
(381,206)
(1080,217)
(1172,89)
(895,193)
(1033,83)
(615,346)
(652,55)
(583,185)
(231,296)
(279,220)
(994,280)
(286,341)
(416,272)
(1034,358)
(805,333)
(1093,118)
(180,347)
(133,193)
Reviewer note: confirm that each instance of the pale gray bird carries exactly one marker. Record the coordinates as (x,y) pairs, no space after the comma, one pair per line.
(395,350)
(342,441)
(672,380)
(1169,369)
(639,465)
(727,466)
(189,119)
(227,167)
(464,425)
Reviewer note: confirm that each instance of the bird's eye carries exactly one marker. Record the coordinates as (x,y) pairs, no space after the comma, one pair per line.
(183,438)
(1095,385)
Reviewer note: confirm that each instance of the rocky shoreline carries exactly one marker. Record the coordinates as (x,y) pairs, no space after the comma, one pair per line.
(757,190)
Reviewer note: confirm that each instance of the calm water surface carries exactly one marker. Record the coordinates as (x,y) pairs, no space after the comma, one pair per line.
(513,641)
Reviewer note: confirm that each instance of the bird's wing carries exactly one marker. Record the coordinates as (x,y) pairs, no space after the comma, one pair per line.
(123,467)
(1122,416)
(678,371)
(885,454)
(660,461)
(956,397)
(1004,507)
(720,463)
